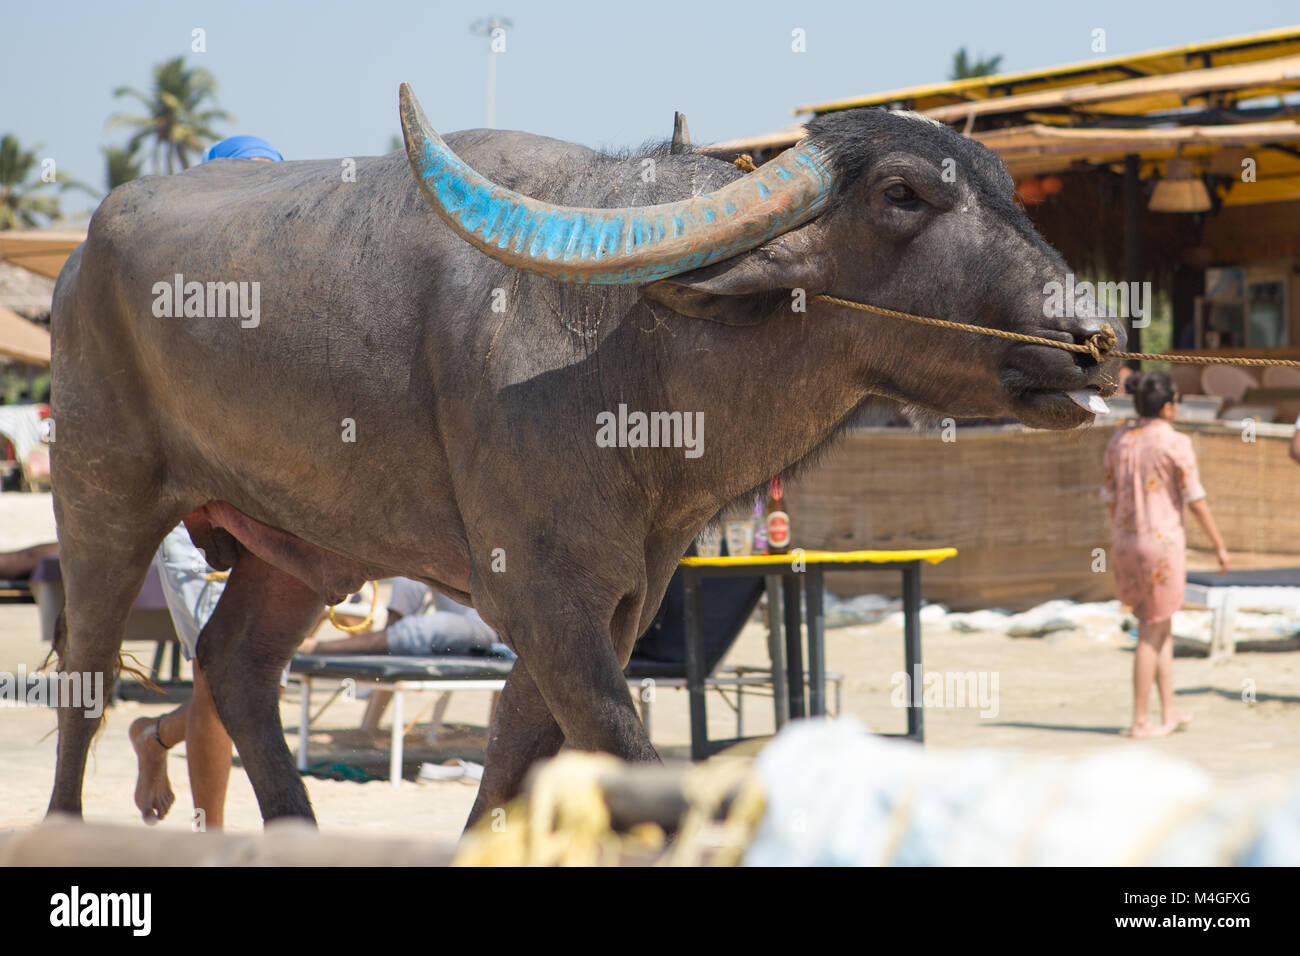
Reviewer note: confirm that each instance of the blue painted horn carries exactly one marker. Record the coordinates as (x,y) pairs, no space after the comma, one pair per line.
(627,246)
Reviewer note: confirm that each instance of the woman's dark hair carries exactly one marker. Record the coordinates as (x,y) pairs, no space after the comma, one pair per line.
(1151,392)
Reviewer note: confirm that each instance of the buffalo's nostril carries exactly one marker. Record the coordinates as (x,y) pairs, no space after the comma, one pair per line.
(1121,334)
(1082,329)
(1086,330)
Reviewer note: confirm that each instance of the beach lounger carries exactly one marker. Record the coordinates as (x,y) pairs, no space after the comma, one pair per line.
(659,660)
(445,675)
(398,674)
(1264,589)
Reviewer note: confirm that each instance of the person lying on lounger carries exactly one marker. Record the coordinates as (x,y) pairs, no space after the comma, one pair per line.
(421,623)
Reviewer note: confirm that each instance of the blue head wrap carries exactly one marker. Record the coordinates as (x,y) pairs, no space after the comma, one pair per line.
(242,147)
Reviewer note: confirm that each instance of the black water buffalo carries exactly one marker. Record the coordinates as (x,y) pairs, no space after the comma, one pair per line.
(474,342)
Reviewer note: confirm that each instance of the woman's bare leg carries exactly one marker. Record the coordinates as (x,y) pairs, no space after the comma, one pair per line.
(1146,666)
(1173,718)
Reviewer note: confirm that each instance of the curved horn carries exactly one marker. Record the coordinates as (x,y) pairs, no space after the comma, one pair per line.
(634,245)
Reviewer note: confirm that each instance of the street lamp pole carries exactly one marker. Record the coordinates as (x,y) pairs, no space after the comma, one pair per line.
(494,28)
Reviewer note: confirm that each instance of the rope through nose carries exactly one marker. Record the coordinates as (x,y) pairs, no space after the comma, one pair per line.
(1100,345)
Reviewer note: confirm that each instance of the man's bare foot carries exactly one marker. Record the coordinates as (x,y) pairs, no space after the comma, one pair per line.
(1146,730)
(153,790)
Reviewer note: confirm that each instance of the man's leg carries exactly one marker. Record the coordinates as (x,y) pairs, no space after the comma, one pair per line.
(152,737)
(208,752)
(191,597)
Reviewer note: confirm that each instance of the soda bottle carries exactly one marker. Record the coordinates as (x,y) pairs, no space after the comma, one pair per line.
(778,521)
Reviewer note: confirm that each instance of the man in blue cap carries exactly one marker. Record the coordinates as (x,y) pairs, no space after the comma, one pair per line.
(192,592)
(243,147)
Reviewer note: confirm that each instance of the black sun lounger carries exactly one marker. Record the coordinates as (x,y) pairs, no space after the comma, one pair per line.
(399,675)
(659,659)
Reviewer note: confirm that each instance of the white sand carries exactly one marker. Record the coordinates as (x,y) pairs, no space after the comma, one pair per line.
(1058,696)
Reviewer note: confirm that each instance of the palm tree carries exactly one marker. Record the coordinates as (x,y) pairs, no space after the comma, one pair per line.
(964,68)
(121,166)
(175,121)
(20,181)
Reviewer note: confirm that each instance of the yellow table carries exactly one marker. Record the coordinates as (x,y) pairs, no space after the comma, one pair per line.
(788,686)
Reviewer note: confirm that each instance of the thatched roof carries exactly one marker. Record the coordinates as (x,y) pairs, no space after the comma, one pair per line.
(24,292)
(1190,101)
(1096,71)
(42,251)
(23,340)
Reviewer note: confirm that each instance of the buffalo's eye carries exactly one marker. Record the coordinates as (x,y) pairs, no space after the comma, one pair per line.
(901,194)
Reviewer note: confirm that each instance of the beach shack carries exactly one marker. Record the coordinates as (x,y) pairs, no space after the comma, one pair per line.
(1170,178)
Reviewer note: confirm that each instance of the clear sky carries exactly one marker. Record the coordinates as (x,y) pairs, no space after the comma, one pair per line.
(319,79)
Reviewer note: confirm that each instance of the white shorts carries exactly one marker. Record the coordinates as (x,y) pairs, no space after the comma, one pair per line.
(191,597)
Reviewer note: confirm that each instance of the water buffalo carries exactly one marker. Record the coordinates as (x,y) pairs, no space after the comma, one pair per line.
(473,327)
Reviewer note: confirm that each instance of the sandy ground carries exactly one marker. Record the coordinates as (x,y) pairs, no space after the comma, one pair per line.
(1061,695)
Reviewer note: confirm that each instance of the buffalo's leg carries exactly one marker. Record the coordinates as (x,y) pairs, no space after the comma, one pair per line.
(522,731)
(587,693)
(102,574)
(570,689)
(263,615)
(579,653)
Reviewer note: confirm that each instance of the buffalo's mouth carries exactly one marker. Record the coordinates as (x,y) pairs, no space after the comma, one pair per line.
(1058,389)
(1057,408)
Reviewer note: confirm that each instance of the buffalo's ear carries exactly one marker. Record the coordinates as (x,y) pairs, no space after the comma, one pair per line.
(747,289)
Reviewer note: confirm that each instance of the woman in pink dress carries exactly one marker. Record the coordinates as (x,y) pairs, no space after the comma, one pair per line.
(1150,477)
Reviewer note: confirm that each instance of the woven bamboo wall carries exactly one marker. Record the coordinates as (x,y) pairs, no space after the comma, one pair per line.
(1253,489)
(1022,507)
